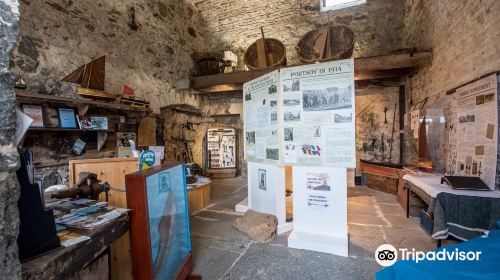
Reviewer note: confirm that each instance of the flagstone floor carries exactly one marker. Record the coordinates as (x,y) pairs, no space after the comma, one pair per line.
(222,252)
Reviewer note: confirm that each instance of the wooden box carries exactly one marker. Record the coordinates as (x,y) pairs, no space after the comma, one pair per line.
(159,222)
(198,197)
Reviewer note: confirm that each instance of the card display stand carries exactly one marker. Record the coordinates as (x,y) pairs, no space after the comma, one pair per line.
(320,210)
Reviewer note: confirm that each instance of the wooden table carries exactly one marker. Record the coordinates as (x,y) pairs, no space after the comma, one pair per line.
(65,263)
(198,196)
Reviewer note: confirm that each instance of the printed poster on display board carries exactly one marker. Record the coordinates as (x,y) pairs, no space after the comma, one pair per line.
(221,147)
(260,102)
(318,114)
(477,129)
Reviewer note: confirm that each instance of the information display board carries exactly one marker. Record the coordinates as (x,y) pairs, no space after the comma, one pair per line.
(318,114)
(260,101)
(221,147)
(477,129)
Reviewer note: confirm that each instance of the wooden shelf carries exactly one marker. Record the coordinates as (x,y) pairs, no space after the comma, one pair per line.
(65,161)
(57,129)
(366,68)
(24,97)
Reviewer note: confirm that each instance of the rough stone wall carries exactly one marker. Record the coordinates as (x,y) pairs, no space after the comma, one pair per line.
(378,25)
(374,127)
(215,114)
(58,36)
(10,267)
(465,39)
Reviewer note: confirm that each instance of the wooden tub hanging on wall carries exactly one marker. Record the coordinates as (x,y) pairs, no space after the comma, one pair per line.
(265,53)
(325,43)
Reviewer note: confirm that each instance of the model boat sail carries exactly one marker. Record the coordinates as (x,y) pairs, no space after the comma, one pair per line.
(90,78)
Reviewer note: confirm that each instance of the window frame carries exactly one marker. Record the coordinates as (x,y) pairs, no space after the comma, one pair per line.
(352,3)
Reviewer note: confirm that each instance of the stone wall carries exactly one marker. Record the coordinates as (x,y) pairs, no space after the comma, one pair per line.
(215,114)
(10,267)
(58,36)
(465,39)
(378,25)
(375,108)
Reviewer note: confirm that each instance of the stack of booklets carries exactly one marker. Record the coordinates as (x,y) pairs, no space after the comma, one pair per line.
(68,237)
(84,213)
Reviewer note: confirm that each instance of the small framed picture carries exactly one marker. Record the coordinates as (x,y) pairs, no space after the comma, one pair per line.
(67,118)
(99,122)
(85,122)
(36,113)
(78,147)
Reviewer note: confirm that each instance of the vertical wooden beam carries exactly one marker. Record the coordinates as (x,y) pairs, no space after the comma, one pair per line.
(402,111)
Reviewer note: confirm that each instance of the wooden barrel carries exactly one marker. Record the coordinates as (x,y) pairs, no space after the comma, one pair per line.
(274,47)
(341,44)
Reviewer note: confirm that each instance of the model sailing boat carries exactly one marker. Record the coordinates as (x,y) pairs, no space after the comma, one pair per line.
(90,78)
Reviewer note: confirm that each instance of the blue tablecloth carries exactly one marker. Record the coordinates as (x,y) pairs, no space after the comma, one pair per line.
(488,267)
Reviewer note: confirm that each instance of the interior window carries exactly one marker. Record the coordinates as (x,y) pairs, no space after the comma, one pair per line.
(339,4)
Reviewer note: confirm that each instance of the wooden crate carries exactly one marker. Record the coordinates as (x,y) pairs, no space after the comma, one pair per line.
(113,171)
(198,197)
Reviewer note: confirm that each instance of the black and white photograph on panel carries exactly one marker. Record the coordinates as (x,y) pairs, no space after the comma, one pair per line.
(251,137)
(291,101)
(342,117)
(274,116)
(292,116)
(273,89)
(273,154)
(288,134)
(262,177)
(327,99)
(317,131)
(296,85)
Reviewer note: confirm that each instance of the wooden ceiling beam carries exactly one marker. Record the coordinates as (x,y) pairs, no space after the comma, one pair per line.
(375,67)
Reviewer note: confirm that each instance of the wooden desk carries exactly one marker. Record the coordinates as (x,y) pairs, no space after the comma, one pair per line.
(66,263)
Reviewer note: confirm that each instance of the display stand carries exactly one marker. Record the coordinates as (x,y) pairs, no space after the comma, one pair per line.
(303,117)
(266,192)
(320,214)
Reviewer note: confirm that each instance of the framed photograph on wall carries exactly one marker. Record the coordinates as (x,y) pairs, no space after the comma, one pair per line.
(84,122)
(99,122)
(67,118)
(36,113)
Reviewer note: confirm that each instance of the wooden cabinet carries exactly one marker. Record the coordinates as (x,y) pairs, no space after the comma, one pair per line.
(113,171)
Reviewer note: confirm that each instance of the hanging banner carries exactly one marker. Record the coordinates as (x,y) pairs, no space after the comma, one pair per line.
(477,130)
(318,114)
(260,103)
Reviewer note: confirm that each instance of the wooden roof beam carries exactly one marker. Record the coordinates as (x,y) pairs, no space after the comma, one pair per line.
(365,67)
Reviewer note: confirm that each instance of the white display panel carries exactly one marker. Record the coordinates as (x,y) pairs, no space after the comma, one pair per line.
(318,106)
(261,130)
(266,192)
(320,210)
(477,130)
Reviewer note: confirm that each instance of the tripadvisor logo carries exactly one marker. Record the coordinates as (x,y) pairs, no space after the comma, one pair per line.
(387,255)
